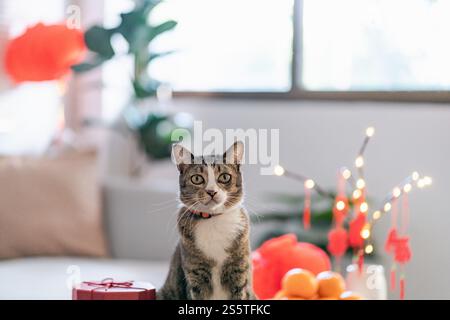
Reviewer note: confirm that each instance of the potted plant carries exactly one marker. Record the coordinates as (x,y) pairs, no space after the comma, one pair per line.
(139,33)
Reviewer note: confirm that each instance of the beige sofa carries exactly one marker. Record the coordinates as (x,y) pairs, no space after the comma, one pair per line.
(139,222)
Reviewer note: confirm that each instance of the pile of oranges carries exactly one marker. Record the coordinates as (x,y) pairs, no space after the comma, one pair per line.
(301,284)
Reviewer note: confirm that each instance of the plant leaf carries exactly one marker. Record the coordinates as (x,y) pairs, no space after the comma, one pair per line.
(161,28)
(148,5)
(142,92)
(158,55)
(98,40)
(130,21)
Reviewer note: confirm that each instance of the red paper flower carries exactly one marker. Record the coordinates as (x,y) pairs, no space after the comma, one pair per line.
(355,227)
(337,242)
(44,52)
(277,256)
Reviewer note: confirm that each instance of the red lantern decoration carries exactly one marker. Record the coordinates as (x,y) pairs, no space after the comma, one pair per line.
(355,228)
(44,52)
(337,242)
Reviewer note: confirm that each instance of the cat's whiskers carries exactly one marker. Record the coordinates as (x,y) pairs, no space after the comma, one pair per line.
(255,201)
(251,211)
(185,212)
(163,209)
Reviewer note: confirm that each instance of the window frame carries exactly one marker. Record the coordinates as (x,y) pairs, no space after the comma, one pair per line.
(297,92)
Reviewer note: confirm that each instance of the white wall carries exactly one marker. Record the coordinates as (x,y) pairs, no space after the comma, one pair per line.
(319,137)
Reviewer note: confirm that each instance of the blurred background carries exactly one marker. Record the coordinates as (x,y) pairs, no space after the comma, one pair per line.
(320,71)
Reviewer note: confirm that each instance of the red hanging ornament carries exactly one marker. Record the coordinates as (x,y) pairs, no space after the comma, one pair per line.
(357,201)
(337,242)
(356,241)
(389,245)
(402,287)
(402,251)
(392,277)
(399,247)
(360,260)
(402,255)
(340,209)
(307,207)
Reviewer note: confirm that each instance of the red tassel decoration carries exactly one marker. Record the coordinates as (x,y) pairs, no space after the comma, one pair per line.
(402,287)
(360,260)
(307,209)
(393,277)
(340,209)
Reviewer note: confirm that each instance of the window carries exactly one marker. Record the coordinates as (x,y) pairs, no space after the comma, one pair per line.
(363,49)
(233,45)
(376,45)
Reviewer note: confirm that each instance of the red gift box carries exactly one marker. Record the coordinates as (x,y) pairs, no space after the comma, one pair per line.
(108,289)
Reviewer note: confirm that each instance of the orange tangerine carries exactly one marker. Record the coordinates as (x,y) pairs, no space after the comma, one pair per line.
(349,295)
(331,284)
(295,298)
(300,283)
(279,295)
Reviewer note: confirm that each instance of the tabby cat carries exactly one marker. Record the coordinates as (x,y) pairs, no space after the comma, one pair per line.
(212,258)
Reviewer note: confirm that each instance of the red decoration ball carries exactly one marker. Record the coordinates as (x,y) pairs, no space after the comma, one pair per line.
(279,255)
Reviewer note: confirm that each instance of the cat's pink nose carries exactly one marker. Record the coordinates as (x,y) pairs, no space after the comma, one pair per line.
(211,193)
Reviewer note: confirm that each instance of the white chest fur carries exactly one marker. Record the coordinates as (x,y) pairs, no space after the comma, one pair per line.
(213,236)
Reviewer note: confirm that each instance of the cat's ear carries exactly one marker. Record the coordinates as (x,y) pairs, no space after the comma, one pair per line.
(235,153)
(181,156)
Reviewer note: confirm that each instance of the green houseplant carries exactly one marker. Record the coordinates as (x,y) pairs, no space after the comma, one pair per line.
(139,33)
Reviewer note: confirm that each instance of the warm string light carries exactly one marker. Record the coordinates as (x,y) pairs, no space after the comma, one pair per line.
(359,185)
(346,173)
(359,162)
(405,187)
(368,249)
(340,205)
(308,182)
(397,192)
(278,171)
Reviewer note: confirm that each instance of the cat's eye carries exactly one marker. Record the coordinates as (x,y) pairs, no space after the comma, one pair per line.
(197,179)
(224,178)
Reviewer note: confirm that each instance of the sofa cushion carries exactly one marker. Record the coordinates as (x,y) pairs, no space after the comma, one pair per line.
(51,278)
(50,206)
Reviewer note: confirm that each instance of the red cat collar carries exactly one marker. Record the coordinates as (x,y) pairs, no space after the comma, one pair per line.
(203,215)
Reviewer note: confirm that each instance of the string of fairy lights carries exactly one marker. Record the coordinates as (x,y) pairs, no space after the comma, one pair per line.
(358,185)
